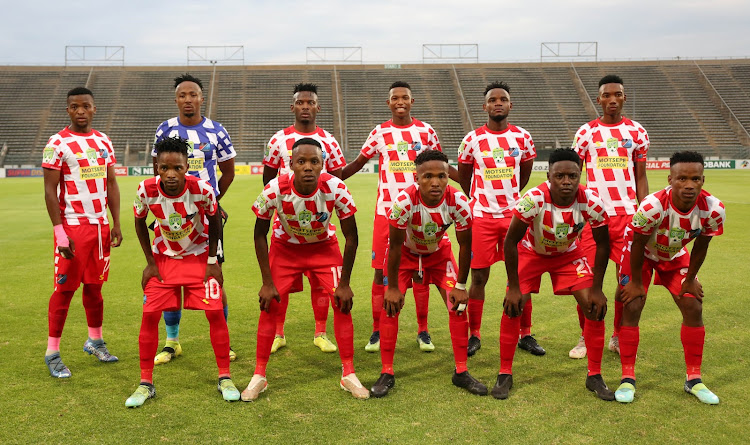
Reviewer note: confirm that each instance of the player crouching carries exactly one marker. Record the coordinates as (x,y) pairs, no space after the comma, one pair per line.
(304,243)
(419,218)
(554,213)
(183,256)
(655,240)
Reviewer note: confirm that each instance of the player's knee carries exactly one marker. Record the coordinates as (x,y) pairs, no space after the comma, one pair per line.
(479,277)
(378,278)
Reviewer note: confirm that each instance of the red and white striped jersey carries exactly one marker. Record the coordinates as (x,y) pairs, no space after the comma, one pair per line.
(426,226)
(278,153)
(555,230)
(610,152)
(304,219)
(670,229)
(496,157)
(82,160)
(181,221)
(397,148)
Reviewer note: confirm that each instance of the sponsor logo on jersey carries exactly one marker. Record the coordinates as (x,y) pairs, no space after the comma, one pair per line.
(305,231)
(498,154)
(525,204)
(491,174)
(195,164)
(93,172)
(668,250)
(627,143)
(321,217)
(92,155)
(260,202)
(396,211)
(575,142)
(175,221)
(676,234)
(138,205)
(578,227)
(613,162)
(612,143)
(304,217)
(639,220)
(515,152)
(461,148)
(402,147)
(416,146)
(402,167)
(207,147)
(562,230)
(48,154)
(694,233)
(267,151)
(430,229)
(104,153)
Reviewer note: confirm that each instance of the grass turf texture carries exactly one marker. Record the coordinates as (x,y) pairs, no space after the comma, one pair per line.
(303,403)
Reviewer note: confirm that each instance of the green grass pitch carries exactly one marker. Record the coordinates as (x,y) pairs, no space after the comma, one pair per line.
(548,404)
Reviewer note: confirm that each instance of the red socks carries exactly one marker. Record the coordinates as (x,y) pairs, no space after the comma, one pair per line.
(509,328)
(618,319)
(59,302)
(692,343)
(475,316)
(267,322)
(148,342)
(459,327)
(388,337)
(629,339)
(344,331)
(320,302)
(422,304)
(93,304)
(593,334)
(581,317)
(219,340)
(526,319)
(378,290)
(281,318)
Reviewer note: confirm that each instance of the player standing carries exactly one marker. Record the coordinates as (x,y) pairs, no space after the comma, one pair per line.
(79,185)
(614,149)
(183,258)
(304,242)
(547,221)
(276,162)
(210,146)
(397,142)
(419,217)
(655,240)
(499,157)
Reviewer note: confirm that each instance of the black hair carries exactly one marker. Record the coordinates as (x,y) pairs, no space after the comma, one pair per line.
(400,84)
(187,78)
(308,141)
(172,145)
(430,155)
(563,154)
(493,85)
(611,78)
(311,87)
(685,156)
(80,91)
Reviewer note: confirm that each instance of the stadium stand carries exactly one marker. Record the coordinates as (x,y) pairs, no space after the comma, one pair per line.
(702,105)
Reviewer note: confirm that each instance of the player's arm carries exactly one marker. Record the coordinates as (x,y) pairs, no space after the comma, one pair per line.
(641,180)
(337,173)
(268,289)
(343,294)
(64,244)
(516,231)
(453,174)
(458,295)
(113,202)
(393,300)
(525,173)
(691,285)
(598,299)
(227,176)
(634,288)
(151,270)
(465,172)
(269,173)
(353,167)
(214,232)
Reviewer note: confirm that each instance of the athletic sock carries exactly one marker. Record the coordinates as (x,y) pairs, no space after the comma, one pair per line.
(95,333)
(459,328)
(388,337)
(581,318)
(343,329)
(93,304)
(526,319)
(148,342)
(267,323)
(320,300)
(475,316)
(422,304)
(593,334)
(57,312)
(172,324)
(378,290)
(281,316)
(53,345)
(219,340)
(629,339)
(618,319)
(509,328)
(693,339)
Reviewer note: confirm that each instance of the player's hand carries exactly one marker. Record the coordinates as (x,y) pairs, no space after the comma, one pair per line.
(115,236)
(692,287)
(267,293)
(67,252)
(342,297)
(214,270)
(457,298)
(512,302)
(597,304)
(393,301)
(631,291)
(151,271)
(224,215)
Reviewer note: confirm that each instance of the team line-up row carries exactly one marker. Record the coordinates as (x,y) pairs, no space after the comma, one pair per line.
(559,227)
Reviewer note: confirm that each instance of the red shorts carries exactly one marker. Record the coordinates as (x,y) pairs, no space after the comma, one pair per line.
(487,238)
(90,263)
(669,274)
(569,272)
(320,262)
(616,229)
(184,273)
(380,230)
(438,268)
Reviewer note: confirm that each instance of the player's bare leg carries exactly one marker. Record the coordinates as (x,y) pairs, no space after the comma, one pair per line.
(593,333)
